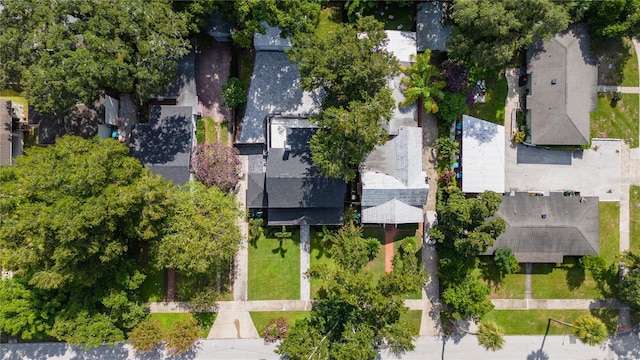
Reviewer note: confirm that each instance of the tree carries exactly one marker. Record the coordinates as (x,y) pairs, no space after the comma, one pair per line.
(588,328)
(349,64)
(216,165)
(66,52)
(345,136)
(74,219)
(490,336)
(456,76)
(506,262)
(451,107)
(234,93)
(422,83)
(202,235)
(182,336)
(614,18)
(467,299)
(146,336)
(354,314)
(490,32)
(629,288)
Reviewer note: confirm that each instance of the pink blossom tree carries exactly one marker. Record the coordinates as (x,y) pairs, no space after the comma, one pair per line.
(216,165)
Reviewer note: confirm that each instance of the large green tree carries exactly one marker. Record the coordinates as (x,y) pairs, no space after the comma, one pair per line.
(74,221)
(202,234)
(489,33)
(355,314)
(63,52)
(423,84)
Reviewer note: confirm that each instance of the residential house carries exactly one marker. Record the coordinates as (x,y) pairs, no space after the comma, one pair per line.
(394,186)
(402,45)
(545,227)
(561,84)
(482,164)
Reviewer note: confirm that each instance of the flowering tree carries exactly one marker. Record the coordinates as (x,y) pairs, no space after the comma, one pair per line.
(216,165)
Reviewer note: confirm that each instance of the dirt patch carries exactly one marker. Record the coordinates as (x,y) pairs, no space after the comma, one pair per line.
(611,56)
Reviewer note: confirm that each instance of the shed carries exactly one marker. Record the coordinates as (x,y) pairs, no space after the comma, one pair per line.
(483,157)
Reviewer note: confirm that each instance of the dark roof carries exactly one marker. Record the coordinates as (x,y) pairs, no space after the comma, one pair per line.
(256,197)
(6,122)
(275,88)
(164,144)
(431,34)
(413,197)
(183,87)
(295,189)
(563,79)
(546,228)
(219,28)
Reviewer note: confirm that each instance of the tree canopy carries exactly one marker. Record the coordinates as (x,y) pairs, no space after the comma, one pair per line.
(216,165)
(202,234)
(614,18)
(355,314)
(63,52)
(489,33)
(423,84)
(74,219)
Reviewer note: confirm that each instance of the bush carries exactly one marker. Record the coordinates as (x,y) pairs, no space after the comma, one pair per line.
(519,136)
(234,93)
(200,137)
(204,299)
(506,262)
(182,336)
(216,165)
(146,336)
(373,246)
(451,107)
(456,76)
(276,329)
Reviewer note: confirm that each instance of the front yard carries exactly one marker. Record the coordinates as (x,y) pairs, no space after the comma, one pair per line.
(511,287)
(261,318)
(616,119)
(274,268)
(634,217)
(534,322)
(205,320)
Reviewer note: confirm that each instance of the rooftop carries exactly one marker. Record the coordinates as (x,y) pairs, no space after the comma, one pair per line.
(483,156)
(431,33)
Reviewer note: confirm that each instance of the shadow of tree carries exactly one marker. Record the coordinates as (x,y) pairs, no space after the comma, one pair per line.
(538,355)
(575,276)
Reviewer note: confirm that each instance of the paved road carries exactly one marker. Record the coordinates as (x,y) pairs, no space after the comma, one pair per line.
(427,347)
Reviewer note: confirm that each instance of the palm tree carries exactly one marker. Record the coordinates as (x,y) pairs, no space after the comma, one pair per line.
(490,336)
(588,328)
(422,84)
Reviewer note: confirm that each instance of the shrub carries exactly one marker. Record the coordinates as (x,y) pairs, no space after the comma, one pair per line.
(182,336)
(506,262)
(216,165)
(234,93)
(146,336)
(204,299)
(456,76)
(519,136)
(373,246)
(451,107)
(276,329)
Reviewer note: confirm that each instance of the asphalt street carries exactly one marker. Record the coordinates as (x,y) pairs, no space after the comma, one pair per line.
(624,347)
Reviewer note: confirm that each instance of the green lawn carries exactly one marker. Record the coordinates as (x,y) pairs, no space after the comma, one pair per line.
(274,268)
(609,230)
(617,61)
(511,287)
(634,217)
(215,131)
(630,68)
(330,20)
(413,318)
(261,318)
(205,320)
(492,109)
(534,322)
(154,286)
(617,120)
(563,281)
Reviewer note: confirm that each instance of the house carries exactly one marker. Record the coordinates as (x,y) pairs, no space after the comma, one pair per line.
(402,45)
(286,184)
(561,83)
(164,144)
(431,32)
(483,162)
(545,227)
(394,186)
(274,89)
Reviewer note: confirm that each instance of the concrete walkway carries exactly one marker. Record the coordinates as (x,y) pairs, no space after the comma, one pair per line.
(620,89)
(305,261)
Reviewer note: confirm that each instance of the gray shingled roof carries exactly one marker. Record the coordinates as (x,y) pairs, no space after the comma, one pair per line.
(563,79)
(5,132)
(431,33)
(295,190)
(571,227)
(275,88)
(164,144)
(183,87)
(271,40)
(219,28)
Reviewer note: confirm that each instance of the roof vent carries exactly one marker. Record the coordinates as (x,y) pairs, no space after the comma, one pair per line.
(544,216)
(554,81)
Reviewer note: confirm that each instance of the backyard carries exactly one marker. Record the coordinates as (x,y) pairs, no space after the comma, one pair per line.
(616,118)
(617,61)
(492,109)
(534,322)
(274,267)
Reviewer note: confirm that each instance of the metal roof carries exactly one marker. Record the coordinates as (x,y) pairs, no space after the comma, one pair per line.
(563,79)
(483,157)
(393,211)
